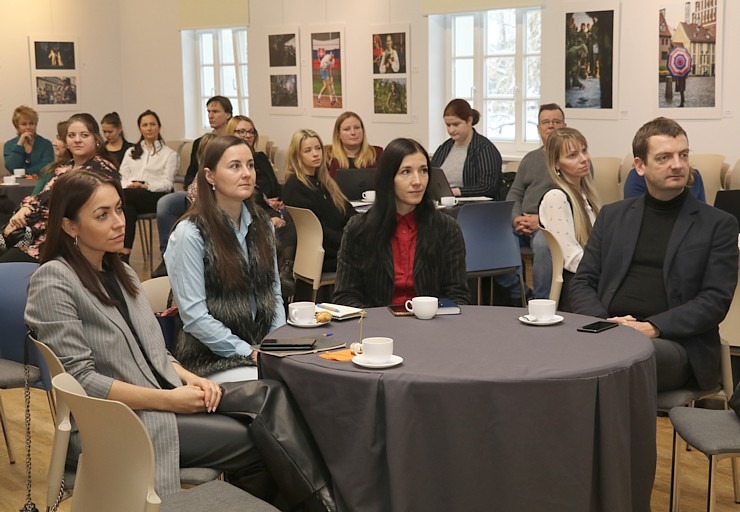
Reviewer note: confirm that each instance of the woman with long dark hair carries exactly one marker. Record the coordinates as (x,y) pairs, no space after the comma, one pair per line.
(89,307)
(26,230)
(402,247)
(221,261)
(115,140)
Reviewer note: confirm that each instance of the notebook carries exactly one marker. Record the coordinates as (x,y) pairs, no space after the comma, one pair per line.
(353,182)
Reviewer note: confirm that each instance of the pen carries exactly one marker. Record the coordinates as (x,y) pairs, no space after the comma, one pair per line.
(335,310)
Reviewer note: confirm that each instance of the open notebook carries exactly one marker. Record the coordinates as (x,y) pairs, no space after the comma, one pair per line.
(339,312)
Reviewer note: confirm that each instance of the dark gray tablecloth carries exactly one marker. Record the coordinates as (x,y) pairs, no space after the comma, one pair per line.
(16,193)
(484,414)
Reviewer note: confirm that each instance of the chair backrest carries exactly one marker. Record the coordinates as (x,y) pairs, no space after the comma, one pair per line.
(556,253)
(309,253)
(511,166)
(281,160)
(116,471)
(628,162)
(157,291)
(710,167)
(490,243)
(606,178)
(185,150)
(735,176)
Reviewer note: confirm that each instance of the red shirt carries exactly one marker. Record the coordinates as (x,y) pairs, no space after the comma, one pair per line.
(403,245)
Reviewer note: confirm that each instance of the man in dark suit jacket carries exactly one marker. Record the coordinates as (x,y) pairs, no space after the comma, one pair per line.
(663,263)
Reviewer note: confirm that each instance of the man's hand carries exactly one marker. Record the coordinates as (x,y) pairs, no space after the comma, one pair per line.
(645,328)
(526,224)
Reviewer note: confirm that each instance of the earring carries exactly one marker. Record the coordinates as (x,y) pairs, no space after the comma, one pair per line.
(213,187)
(76,239)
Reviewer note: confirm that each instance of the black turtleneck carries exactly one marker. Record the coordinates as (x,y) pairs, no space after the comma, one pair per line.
(642,293)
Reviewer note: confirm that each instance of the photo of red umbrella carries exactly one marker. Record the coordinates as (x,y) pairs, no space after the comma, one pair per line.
(679,62)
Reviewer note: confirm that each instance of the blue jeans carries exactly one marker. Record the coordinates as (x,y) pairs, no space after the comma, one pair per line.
(170,208)
(541,263)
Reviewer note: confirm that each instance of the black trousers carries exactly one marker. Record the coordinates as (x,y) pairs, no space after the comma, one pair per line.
(672,364)
(259,440)
(135,202)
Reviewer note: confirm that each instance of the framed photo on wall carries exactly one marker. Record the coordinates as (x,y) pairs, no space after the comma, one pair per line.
(690,59)
(284,67)
(54,73)
(591,58)
(328,81)
(391,77)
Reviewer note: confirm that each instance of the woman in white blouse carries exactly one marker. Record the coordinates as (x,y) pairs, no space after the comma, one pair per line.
(147,173)
(569,210)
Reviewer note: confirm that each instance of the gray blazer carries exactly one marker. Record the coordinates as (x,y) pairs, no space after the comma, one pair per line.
(96,346)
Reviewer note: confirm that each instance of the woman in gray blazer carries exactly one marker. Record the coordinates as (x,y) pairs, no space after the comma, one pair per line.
(90,309)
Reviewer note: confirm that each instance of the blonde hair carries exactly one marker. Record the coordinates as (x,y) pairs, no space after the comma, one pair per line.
(295,167)
(365,158)
(234,122)
(26,112)
(558,142)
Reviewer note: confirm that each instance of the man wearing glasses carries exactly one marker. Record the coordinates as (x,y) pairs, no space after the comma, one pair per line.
(531,182)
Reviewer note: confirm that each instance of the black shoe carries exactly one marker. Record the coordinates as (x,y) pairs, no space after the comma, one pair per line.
(160,271)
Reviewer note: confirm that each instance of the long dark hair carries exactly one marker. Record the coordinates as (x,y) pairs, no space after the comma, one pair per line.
(380,221)
(112,118)
(219,229)
(70,193)
(138,147)
(92,126)
(61,135)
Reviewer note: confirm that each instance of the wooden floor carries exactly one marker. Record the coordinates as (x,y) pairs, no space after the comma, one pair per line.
(12,476)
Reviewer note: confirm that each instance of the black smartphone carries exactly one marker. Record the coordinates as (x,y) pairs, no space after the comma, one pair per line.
(399,310)
(287,344)
(597,326)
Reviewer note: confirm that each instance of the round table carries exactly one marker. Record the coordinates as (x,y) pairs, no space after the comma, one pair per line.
(16,193)
(484,413)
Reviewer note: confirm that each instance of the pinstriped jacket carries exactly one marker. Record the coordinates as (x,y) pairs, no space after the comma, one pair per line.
(96,346)
(439,265)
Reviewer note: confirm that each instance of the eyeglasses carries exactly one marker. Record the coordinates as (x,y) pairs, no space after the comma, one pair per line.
(552,122)
(246,132)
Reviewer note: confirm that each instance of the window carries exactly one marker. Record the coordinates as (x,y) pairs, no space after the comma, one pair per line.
(495,65)
(221,63)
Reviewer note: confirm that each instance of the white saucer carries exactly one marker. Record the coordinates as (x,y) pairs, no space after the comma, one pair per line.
(367,201)
(309,325)
(360,361)
(9,184)
(556,319)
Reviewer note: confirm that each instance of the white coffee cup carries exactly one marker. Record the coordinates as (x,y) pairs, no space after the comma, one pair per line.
(302,313)
(448,201)
(9,180)
(541,310)
(374,350)
(423,308)
(19,173)
(368,195)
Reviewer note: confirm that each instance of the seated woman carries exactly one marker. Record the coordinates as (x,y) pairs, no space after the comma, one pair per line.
(115,140)
(470,161)
(29,150)
(26,230)
(402,247)
(60,157)
(91,310)
(635,186)
(221,263)
(569,210)
(310,186)
(147,173)
(349,148)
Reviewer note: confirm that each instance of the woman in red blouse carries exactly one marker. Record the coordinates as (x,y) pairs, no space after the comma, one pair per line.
(402,247)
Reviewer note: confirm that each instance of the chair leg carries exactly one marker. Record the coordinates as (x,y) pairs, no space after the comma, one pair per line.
(315,294)
(675,467)
(523,290)
(711,494)
(480,291)
(52,405)
(736,478)
(5,433)
(151,247)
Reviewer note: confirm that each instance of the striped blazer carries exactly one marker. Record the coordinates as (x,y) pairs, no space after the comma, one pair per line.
(96,346)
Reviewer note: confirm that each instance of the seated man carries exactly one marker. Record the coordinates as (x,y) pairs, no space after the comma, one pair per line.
(663,263)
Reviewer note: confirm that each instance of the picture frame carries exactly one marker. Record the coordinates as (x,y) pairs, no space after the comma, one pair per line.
(591,33)
(327,81)
(284,59)
(391,77)
(54,73)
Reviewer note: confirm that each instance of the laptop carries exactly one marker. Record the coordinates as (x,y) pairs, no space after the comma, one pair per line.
(438,184)
(729,201)
(353,182)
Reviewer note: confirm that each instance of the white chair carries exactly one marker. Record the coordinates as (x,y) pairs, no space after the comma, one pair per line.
(710,167)
(734,179)
(157,291)
(556,284)
(280,162)
(309,253)
(116,471)
(606,178)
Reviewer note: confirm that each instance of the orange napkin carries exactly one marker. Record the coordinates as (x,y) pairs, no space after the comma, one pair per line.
(338,355)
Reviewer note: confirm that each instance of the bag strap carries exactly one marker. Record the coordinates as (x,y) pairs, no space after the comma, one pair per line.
(28,506)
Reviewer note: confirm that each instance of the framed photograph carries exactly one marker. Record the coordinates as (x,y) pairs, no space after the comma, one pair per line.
(389,53)
(284,71)
(390,96)
(54,73)
(690,59)
(327,72)
(391,80)
(591,60)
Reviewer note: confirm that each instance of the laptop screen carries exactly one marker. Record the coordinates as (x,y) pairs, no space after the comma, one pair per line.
(353,182)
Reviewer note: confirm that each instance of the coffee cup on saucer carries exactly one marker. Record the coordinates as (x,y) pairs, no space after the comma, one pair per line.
(302,313)
(541,310)
(448,201)
(8,180)
(368,195)
(375,350)
(423,308)
(19,173)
